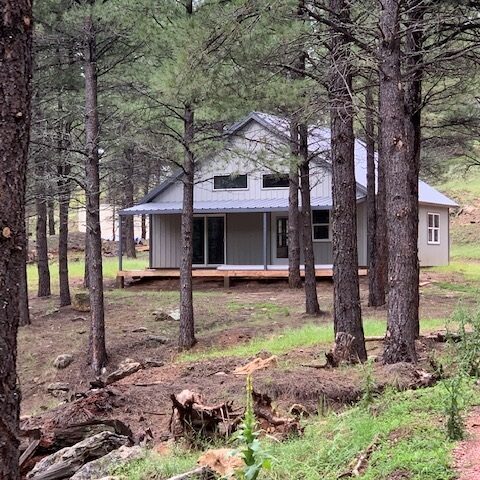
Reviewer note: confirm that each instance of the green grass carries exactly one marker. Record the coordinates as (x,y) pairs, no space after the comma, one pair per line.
(409,426)
(470,271)
(467,251)
(291,338)
(76,269)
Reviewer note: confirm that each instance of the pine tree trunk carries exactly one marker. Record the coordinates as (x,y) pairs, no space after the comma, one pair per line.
(347,315)
(41,232)
(311,299)
(400,203)
(129,227)
(413,107)
(86,282)
(371,196)
(15,94)
(51,217)
(97,349)
(64,205)
(187,327)
(294,278)
(379,268)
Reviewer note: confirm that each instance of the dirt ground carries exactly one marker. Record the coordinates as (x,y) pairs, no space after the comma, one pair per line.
(223,318)
(467,454)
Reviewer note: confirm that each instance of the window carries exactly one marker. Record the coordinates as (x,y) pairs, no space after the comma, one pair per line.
(275,180)
(321,225)
(433,228)
(282,237)
(227,182)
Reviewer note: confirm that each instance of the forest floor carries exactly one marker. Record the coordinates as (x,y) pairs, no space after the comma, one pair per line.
(261,319)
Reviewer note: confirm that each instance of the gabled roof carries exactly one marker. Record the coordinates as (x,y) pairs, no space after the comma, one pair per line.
(318,144)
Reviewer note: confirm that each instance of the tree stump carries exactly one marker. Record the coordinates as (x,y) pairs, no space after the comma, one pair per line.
(81,302)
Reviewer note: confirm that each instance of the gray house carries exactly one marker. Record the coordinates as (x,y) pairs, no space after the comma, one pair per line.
(241,205)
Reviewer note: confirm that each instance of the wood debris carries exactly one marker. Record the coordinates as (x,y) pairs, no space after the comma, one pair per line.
(256,364)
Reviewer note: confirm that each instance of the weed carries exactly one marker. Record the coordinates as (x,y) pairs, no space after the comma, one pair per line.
(454,406)
(368,385)
(469,346)
(253,455)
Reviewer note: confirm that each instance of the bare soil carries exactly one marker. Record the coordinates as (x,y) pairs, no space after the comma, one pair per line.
(467,454)
(224,318)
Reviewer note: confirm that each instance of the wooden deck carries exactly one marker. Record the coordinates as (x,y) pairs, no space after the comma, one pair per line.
(163,273)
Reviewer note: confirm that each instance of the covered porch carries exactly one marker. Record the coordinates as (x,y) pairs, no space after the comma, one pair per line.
(234,239)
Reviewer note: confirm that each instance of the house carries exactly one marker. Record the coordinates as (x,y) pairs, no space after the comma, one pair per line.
(241,205)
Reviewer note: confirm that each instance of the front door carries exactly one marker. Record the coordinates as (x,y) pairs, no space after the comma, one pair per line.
(208,240)
(282,237)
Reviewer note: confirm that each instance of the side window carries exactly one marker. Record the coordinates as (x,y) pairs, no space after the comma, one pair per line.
(227,182)
(433,233)
(321,225)
(275,180)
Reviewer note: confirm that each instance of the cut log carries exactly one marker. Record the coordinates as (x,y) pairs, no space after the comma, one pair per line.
(65,462)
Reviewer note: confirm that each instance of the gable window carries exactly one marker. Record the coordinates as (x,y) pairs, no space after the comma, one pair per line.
(433,229)
(321,225)
(227,182)
(272,180)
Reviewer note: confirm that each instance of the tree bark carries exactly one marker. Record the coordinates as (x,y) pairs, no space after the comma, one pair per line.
(312,306)
(294,278)
(187,327)
(413,110)
(400,204)
(51,216)
(347,315)
(41,231)
(129,226)
(15,94)
(97,348)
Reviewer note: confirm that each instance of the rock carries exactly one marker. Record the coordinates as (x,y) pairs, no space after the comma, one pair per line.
(151,363)
(139,330)
(81,302)
(162,316)
(175,314)
(124,370)
(67,461)
(103,465)
(63,361)
(58,387)
(157,339)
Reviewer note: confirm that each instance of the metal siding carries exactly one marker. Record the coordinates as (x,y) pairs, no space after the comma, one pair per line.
(166,241)
(433,255)
(244,239)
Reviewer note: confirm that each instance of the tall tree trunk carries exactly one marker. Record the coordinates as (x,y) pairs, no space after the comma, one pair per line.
(347,315)
(15,94)
(64,205)
(400,204)
(51,216)
(413,110)
(294,278)
(86,282)
(371,197)
(97,348)
(41,231)
(23,285)
(378,274)
(187,327)
(129,226)
(311,299)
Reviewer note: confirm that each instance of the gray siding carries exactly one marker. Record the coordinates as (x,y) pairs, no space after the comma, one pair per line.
(433,255)
(166,241)
(245,239)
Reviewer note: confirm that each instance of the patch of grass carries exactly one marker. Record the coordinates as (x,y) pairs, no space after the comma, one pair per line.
(470,271)
(468,251)
(409,426)
(408,429)
(159,466)
(291,338)
(459,287)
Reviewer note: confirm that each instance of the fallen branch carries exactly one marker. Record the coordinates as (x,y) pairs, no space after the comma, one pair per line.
(360,464)
(205,473)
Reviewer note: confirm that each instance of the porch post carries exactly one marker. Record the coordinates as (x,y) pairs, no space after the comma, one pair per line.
(265,245)
(150,241)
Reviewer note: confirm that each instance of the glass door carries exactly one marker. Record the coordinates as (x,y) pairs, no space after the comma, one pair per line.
(198,240)
(215,240)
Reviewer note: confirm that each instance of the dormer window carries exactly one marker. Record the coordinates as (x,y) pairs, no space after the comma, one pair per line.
(275,180)
(229,182)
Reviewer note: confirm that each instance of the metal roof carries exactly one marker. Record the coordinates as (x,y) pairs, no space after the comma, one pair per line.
(318,144)
(225,206)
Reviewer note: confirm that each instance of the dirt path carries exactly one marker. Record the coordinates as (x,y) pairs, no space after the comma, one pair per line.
(467,454)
